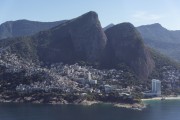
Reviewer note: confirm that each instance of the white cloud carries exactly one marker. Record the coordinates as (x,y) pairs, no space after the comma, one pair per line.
(145,16)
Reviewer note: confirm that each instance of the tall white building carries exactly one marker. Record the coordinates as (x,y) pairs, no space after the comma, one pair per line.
(90,80)
(89,76)
(156,87)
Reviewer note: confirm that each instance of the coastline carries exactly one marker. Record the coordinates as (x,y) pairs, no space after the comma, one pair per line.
(134,106)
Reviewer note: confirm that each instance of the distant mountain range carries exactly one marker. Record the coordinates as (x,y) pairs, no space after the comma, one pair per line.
(161,39)
(108,26)
(24,28)
(81,40)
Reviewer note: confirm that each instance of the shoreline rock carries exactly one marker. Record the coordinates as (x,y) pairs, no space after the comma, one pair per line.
(89,103)
(135,106)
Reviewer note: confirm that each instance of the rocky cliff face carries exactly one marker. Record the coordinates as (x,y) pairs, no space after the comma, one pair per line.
(80,39)
(125,45)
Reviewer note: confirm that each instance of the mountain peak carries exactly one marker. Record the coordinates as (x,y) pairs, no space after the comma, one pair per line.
(89,16)
(156,25)
(153,26)
(125,26)
(92,13)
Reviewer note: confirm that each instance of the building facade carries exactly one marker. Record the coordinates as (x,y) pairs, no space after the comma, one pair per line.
(156,87)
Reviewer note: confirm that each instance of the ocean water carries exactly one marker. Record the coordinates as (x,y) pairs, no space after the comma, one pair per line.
(156,110)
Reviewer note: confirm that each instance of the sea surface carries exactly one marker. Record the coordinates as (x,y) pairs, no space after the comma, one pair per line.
(156,110)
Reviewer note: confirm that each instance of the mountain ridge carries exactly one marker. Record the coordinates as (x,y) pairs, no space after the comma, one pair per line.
(161,39)
(25,27)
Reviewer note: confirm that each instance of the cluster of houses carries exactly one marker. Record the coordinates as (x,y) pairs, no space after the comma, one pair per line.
(171,77)
(77,79)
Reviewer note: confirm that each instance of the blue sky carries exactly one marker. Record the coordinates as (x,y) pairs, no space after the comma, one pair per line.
(138,12)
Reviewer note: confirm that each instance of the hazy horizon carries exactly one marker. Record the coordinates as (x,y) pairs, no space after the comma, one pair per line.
(139,12)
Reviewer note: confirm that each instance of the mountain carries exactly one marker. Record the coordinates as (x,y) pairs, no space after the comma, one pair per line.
(79,39)
(24,28)
(161,39)
(125,45)
(83,40)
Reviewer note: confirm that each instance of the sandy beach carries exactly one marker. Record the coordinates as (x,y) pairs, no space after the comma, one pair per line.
(159,98)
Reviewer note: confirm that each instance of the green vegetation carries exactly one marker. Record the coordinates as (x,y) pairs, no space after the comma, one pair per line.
(161,61)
